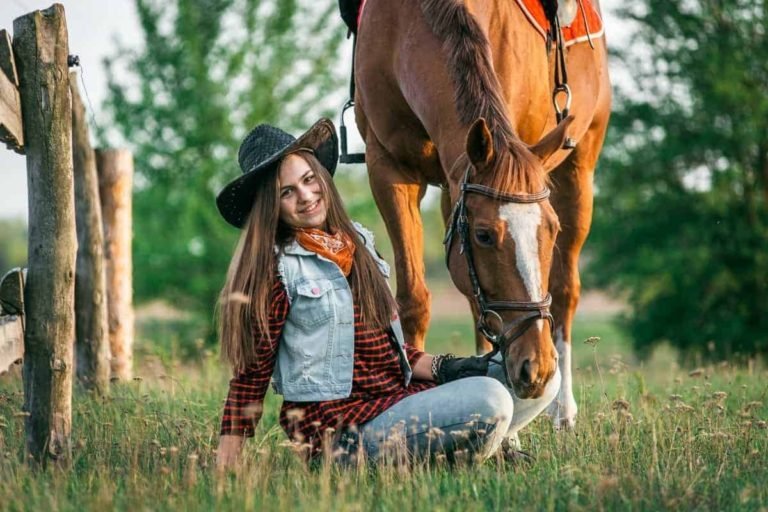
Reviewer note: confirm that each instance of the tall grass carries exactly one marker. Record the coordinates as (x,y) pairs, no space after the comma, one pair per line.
(649,436)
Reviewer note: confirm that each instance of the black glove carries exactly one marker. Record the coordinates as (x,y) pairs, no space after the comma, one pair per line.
(451,368)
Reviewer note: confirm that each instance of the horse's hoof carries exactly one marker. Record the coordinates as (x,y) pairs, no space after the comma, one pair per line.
(514,458)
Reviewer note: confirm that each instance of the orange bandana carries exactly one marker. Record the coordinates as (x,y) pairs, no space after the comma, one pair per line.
(338,248)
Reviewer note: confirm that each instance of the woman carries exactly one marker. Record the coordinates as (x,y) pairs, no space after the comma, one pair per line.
(306,305)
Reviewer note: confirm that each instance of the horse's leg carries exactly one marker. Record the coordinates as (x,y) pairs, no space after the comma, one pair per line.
(398,192)
(572,199)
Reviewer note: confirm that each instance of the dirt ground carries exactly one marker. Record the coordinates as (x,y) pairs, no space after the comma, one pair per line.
(448,302)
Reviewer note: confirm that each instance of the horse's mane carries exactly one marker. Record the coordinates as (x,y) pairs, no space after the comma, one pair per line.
(478,91)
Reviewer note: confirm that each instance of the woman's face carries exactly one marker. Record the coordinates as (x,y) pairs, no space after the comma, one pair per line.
(302,204)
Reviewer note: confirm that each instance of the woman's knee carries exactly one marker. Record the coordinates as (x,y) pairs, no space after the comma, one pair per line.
(490,399)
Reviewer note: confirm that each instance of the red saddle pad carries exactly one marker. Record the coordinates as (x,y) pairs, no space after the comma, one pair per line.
(576,32)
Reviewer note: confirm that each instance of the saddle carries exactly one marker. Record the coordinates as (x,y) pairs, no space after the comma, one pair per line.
(586,25)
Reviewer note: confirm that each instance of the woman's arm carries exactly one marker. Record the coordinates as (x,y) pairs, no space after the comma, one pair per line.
(243,407)
(422,368)
(228,452)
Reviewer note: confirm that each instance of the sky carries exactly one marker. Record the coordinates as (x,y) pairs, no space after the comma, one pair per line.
(93,26)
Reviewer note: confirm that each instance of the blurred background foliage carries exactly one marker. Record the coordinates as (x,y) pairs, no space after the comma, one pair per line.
(13,244)
(681,219)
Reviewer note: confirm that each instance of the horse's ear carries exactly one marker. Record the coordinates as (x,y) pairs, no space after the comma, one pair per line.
(480,144)
(553,141)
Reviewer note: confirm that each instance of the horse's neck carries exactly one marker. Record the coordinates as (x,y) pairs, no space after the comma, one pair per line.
(521,65)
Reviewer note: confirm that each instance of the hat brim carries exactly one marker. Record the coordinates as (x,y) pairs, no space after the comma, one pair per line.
(236,199)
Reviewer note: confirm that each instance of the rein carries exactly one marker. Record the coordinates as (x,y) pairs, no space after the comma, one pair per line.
(534,310)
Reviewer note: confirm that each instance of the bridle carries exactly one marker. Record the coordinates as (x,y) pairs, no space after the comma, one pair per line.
(459,224)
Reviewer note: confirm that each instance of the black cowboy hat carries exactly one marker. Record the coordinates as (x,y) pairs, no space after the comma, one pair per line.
(260,151)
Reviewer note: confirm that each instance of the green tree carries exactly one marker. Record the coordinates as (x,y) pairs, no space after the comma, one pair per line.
(209,70)
(681,220)
(13,244)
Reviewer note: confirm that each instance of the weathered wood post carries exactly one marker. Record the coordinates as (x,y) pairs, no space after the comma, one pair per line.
(41,47)
(115,168)
(91,333)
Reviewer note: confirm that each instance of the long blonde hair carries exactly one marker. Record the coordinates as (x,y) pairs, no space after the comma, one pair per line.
(244,302)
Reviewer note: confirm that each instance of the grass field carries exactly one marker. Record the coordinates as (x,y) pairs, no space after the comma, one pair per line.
(649,436)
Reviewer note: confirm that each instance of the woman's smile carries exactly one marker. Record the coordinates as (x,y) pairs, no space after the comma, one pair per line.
(301,196)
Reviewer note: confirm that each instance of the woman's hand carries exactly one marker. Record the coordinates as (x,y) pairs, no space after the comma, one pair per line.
(228,453)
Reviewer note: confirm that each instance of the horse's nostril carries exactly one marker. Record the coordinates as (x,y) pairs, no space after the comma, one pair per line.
(525,372)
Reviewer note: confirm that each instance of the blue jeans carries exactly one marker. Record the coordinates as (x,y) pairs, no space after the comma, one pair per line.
(468,417)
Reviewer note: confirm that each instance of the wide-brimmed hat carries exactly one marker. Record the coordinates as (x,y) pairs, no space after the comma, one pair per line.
(260,151)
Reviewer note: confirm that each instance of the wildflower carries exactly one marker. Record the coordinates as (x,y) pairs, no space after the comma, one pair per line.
(294,414)
(607,483)
(173,450)
(626,416)
(719,395)
(681,407)
(435,432)
(592,341)
(238,297)
(620,405)
(190,474)
(461,434)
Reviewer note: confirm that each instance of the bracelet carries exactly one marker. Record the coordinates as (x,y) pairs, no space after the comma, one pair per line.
(437,362)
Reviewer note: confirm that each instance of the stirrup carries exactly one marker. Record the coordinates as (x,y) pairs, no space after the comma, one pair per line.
(344,157)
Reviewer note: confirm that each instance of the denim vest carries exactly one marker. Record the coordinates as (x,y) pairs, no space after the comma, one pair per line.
(315,356)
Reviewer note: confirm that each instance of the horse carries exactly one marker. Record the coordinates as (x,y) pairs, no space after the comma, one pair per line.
(457,93)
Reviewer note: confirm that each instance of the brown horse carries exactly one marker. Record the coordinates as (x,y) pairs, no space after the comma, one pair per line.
(460,90)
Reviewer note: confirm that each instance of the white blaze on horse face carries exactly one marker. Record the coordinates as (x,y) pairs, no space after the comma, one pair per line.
(523,221)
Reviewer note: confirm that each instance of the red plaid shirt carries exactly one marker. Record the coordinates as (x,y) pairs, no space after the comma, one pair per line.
(377,383)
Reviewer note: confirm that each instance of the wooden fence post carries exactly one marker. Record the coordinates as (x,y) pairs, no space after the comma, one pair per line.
(115,168)
(41,47)
(91,334)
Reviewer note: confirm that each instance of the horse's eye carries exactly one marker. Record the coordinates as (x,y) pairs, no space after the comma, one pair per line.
(484,237)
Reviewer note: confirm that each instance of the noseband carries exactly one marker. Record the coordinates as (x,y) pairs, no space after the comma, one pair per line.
(459,224)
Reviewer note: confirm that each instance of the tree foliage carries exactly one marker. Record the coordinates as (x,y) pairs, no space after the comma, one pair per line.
(13,244)
(209,70)
(681,219)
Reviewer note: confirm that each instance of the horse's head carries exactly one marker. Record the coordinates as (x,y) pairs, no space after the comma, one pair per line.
(503,233)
